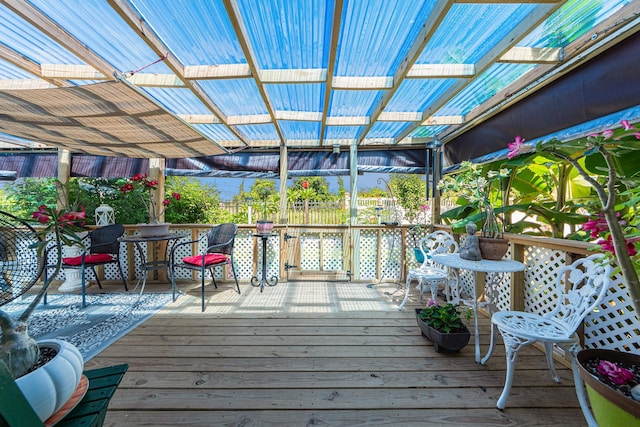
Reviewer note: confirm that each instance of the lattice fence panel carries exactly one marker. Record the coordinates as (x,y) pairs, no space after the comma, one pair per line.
(390,247)
(503,301)
(243,254)
(309,251)
(332,252)
(614,326)
(368,245)
(539,278)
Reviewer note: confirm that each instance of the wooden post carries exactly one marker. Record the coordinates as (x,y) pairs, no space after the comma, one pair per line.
(284,218)
(517,279)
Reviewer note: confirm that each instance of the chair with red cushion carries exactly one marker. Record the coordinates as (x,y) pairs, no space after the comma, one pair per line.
(103,248)
(219,252)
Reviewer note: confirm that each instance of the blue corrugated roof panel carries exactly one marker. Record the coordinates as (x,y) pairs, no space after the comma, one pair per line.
(236,97)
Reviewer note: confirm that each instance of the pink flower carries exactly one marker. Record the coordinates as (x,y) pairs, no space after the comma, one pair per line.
(615,373)
(432,303)
(41,215)
(176,196)
(625,124)
(607,133)
(515,147)
(596,226)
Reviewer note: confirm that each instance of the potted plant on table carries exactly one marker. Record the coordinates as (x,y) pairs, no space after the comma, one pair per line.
(47,372)
(472,187)
(264,225)
(608,162)
(442,324)
(143,190)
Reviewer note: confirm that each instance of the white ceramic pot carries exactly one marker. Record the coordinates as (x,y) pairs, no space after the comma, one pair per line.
(154,230)
(49,387)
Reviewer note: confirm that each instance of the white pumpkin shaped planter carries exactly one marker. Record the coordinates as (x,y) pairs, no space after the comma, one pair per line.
(49,387)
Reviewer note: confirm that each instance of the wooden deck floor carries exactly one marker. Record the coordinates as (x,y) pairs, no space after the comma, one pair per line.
(321,354)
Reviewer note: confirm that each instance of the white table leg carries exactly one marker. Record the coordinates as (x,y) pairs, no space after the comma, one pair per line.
(406,294)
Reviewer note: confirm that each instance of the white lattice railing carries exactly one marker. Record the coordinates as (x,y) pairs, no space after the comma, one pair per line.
(380,253)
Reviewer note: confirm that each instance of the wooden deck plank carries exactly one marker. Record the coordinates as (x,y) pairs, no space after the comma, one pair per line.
(240,364)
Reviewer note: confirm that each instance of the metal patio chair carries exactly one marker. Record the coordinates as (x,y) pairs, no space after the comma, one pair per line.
(218,252)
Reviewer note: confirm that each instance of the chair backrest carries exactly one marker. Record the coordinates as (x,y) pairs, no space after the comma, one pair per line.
(580,288)
(438,242)
(223,234)
(107,236)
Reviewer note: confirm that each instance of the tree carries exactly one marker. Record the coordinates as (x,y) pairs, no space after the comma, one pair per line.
(264,192)
(410,190)
(198,204)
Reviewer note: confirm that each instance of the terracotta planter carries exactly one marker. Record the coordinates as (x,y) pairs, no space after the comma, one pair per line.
(154,230)
(451,342)
(610,408)
(493,249)
(49,387)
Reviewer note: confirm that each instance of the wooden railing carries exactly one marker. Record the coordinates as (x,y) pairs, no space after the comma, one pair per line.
(375,253)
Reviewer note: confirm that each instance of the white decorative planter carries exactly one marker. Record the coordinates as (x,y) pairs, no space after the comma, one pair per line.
(72,276)
(153,230)
(49,387)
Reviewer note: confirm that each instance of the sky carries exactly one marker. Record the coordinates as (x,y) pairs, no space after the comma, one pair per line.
(229,187)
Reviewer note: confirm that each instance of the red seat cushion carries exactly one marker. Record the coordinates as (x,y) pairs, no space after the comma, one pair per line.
(209,259)
(88,259)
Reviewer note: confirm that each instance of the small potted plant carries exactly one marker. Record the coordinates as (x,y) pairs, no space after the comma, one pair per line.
(442,324)
(142,188)
(472,187)
(264,225)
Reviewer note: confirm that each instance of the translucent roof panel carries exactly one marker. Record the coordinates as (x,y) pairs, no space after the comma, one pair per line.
(484,26)
(418,94)
(300,130)
(353,102)
(342,132)
(30,42)
(217,132)
(572,20)
(200,45)
(298,97)
(377,34)
(387,129)
(427,131)
(10,71)
(496,78)
(178,100)
(278,72)
(103,29)
(236,97)
(288,33)
(260,132)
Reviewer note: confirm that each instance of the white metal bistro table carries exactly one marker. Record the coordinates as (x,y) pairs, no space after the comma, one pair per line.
(495,272)
(154,265)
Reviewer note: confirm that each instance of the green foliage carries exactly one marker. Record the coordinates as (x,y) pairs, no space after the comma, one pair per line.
(444,318)
(410,190)
(264,192)
(198,204)
(317,190)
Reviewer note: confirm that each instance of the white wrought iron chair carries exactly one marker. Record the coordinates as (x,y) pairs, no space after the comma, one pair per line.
(430,274)
(579,289)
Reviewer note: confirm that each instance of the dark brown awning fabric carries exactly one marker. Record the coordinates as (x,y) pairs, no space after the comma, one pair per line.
(104,119)
(604,85)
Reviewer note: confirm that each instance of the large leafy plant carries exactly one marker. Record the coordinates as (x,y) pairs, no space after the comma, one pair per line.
(608,162)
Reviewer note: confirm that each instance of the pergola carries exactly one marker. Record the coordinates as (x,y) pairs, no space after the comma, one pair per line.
(303,87)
